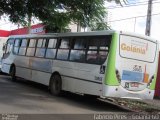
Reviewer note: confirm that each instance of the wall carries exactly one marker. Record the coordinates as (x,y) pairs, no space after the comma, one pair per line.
(35,29)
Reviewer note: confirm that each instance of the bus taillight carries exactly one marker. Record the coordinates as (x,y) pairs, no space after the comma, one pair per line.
(118,76)
(150,81)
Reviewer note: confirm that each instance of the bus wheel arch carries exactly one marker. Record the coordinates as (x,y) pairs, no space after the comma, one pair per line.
(12,72)
(55,84)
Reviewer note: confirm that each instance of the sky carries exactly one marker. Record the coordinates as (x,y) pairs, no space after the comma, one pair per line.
(5,24)
(116,12)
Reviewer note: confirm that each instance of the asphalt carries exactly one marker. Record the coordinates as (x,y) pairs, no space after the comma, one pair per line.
(27,97)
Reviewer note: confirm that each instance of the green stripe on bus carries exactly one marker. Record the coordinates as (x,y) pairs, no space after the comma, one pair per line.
(153,84)
(110,77)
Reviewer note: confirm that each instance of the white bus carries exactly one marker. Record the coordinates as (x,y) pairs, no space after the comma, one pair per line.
(105,63)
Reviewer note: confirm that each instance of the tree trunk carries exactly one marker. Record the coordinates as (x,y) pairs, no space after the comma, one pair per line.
(79,27)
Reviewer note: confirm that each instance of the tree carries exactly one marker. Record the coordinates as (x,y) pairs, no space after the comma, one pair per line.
(100,26)
(22,11)
(84,13)
(55,14)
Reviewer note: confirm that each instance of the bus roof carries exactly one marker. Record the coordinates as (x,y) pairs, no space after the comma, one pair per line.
(33,35)
(92,33)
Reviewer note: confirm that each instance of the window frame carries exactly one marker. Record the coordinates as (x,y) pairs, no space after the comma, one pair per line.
(53,48)
(58,47)
(71,47)
(12,43)
(73,41)
(20,39)
(107,38)
(41,47)
(31,47)
(23,46)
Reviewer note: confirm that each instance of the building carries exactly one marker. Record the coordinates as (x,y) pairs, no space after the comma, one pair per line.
(35,29)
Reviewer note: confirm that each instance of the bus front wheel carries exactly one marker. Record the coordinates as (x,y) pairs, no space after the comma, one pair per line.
(56,85)
(13,73)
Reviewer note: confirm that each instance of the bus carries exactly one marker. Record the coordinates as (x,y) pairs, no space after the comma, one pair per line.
(100,63)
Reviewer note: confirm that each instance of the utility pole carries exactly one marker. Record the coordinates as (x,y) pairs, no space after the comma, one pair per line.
(149,17)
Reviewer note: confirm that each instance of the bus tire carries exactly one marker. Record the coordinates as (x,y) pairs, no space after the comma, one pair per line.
(56,85)
(13,73)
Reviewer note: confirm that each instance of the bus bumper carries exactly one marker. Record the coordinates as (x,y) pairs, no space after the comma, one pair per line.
(120,92)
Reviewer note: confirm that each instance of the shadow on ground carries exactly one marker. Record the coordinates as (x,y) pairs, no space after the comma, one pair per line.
(30,96)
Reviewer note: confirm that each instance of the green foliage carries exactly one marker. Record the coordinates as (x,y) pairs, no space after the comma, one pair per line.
(84,12)
(56,23)
(20,11)
(100,26)
(56,14)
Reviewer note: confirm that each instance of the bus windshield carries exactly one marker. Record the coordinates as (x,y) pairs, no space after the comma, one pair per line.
(137,48)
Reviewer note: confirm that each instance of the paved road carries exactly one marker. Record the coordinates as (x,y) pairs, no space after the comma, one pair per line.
(32,98)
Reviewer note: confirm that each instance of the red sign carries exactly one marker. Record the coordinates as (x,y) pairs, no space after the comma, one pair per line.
(35,29)
(4,33)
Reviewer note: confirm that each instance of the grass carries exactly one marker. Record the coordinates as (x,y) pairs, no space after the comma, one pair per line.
(137,105)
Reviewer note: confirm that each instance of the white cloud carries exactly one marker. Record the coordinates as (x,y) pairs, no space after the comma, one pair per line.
(5,24)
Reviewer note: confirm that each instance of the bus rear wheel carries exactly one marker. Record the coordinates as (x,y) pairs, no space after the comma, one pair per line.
(13,73)
(56,85)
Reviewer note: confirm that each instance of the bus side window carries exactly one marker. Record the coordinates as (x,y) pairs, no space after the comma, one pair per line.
(31,48)
(41,48)
(9,46)
(16,46)
(78,50)
(23,47)
(63,49)
(98,48)
(51,48)
(92,53)
(104,48)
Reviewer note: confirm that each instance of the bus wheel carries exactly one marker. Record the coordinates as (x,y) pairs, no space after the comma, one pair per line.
(13,73)
(56,85)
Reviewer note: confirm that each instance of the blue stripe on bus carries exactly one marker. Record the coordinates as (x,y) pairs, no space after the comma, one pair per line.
(132,76)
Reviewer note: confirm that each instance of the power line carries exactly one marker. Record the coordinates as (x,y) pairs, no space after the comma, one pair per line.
(141,2)
(131,5)
(133,17)
(128,4)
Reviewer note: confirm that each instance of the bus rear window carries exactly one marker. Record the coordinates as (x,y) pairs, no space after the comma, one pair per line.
(137,48)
